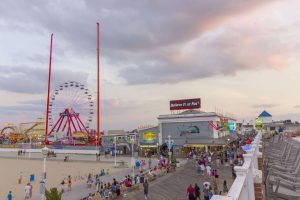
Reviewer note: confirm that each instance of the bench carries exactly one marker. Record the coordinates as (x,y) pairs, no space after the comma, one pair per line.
(122,164)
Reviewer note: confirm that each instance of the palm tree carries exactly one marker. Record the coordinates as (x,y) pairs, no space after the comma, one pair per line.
(53,194)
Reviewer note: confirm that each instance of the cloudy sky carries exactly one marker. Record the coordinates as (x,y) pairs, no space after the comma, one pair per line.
(238,56)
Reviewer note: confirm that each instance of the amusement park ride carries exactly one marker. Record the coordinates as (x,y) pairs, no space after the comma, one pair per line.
(71,110)
(69,113)
(24,132)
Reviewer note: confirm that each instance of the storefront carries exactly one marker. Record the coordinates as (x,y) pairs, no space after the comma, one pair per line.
(123,143)
(194,130)
(146,150)
(148,141)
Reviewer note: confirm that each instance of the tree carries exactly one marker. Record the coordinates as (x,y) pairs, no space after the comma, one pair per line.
(53,194)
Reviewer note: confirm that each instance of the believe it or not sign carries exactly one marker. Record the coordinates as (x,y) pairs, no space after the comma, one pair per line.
(185,104)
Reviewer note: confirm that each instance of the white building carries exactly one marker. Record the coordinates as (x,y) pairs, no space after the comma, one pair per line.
(266,117)
(194,129)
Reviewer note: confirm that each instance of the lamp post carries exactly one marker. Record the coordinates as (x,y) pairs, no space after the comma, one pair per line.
(45,153)
(170,142)
(157,151)
(132,159)
(115,141)
(96,142)
(29,154)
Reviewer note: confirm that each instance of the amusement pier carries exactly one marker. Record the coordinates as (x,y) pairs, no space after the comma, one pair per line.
(149,100)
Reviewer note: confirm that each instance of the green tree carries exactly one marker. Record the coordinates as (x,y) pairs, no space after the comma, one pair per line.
(53,194)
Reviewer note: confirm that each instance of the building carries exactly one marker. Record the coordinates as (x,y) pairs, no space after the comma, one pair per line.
(123,141)
(266,117)
(148,140)
(283,125)
(195,130)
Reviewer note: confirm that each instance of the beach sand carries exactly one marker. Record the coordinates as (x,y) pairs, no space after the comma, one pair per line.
(11,169)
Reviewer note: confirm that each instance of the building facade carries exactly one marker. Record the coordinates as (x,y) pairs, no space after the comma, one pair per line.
(123,141)
(148,141)
(193,130)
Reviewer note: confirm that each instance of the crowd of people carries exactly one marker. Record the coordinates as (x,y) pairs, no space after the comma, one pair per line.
(208,163)
(117,188)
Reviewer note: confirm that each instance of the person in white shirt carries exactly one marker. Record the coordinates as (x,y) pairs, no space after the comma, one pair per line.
(209,159)
(138,179)
(27,191)
(208,170)
(202,167)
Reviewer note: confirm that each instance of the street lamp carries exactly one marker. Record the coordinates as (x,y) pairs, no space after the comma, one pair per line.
(132,159)
(170,142)
(115,143)
(157,144)
(45,151)
(29,155)
(96,141)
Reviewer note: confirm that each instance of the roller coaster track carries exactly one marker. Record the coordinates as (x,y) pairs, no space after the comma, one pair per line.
(32,127)
(13,128)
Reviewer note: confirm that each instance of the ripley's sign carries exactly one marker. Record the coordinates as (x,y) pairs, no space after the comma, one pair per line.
(185,104)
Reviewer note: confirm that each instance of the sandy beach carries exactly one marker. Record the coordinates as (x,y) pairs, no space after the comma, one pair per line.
(12,168)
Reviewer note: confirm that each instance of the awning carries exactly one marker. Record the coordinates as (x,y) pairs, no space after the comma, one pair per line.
(148,146)
(203,142)
(200,145)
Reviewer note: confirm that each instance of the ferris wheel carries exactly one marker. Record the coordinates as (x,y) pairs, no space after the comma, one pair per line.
(71,96)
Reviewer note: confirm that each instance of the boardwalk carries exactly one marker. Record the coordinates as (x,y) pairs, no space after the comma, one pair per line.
(173,186)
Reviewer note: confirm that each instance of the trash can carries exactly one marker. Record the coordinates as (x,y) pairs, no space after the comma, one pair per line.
(142,179)
(32,178)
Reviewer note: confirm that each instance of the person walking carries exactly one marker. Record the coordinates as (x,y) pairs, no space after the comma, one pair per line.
(146,188)
(9,196)
(210,193)
(69,183)
(225,188)
(31,188)
(215,185)
(190,192)
(89,181)
(27,191)
(208,170)
(197,192)
(149,163)
(205,191)
(233,172)
(62,184)
(97,182)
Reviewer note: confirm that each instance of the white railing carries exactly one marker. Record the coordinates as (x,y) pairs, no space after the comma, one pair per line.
(247,174)
(62,151)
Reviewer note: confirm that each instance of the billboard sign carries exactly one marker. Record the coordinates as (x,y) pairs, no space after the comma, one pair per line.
(231,126)
(259,123)
(150,137)
(185,104)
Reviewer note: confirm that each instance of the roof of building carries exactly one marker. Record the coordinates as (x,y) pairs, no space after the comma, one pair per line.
(265,114)
(114,132)
(187,112)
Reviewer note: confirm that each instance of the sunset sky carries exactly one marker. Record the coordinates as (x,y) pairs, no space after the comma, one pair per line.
(239,56)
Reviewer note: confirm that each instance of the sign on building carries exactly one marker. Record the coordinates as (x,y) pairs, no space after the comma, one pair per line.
(149,137)
(185,104)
